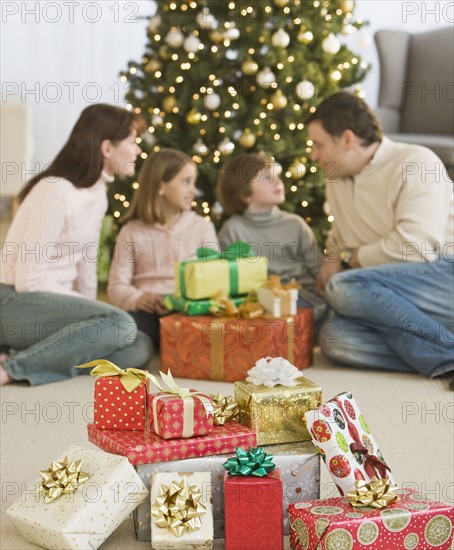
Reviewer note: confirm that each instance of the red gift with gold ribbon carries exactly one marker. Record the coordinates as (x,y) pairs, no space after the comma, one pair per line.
(208,348)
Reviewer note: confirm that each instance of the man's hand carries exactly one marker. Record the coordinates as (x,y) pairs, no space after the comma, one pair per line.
(329,268)
(151,303)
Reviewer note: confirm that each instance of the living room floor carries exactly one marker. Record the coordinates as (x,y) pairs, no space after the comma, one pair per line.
(412,419)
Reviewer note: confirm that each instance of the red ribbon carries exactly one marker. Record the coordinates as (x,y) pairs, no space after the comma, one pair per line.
(373,466)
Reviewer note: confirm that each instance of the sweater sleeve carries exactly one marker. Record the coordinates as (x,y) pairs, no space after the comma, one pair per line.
(120,290)
(41,236)
(420,215)
(312,256)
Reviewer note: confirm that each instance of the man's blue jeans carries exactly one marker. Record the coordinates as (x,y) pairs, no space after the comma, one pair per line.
(396,317)
(51,333)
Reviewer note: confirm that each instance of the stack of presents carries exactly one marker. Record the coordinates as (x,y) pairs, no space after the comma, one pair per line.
(192,466)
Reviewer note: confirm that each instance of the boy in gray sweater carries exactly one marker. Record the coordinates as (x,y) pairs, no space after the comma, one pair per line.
(250,190)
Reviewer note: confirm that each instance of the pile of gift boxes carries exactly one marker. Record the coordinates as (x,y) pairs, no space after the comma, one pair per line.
(193,466)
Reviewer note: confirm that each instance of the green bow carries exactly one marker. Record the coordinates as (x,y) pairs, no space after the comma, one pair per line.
(254,462)
(235,251)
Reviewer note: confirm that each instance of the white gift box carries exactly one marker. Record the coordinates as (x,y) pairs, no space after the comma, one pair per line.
(83,519)
(199,539)
(275,305)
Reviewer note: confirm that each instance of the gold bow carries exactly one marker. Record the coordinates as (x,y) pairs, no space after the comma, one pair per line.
(376,493)
(225,409)
(61,477)
(130,378)
(178,508)
(280,289)
(224,306)
(172,386)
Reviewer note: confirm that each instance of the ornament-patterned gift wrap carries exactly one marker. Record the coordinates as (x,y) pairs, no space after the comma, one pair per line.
(194,499)
(253,512)
(413,522)
(347,446)
(276,414)
(120,396)
(206,348)
(298,464)
(147,447)
(75,520)
(233,272)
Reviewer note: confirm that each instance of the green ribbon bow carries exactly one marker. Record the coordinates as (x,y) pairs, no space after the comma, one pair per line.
(254,462)
(232,254)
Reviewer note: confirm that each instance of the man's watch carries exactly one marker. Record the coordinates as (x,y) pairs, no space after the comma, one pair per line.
(345,256)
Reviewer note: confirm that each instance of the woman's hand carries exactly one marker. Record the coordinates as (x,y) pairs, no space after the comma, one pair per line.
(151,303)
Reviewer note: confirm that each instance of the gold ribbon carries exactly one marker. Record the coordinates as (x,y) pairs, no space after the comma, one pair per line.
(224,306)
(178,508)
(130,378)
(376,493)
(60,478)
(280,289)
(225,409)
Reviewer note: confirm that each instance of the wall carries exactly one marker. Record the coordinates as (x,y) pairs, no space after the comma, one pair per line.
(65,55)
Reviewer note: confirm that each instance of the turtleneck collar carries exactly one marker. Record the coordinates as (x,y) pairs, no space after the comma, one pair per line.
(263,217)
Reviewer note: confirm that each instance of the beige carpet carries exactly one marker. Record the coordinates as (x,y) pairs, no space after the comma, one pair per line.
(412,419)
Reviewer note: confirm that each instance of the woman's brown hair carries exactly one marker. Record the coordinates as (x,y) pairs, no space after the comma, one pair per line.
(160,167)
(80,161)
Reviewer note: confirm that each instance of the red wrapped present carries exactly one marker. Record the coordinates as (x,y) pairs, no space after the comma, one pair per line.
(413,522)
(252,505)
(208,348)
(179,412)
(147,447)
(120,396)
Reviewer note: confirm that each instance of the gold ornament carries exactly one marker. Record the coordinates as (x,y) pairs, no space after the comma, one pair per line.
(216,36)
(168,103)
(249,66)
(347,5)
(281,3)
(164,52)
(305,37)
(152,66)
(297,170)
(247,139)
(193,117)
(279,100)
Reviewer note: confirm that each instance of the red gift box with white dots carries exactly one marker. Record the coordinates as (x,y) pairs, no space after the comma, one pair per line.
(413,522)
(173,417)
(118,409)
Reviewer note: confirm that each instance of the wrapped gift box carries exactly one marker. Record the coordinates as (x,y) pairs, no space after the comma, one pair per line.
(203,278)
(174,417)
(147,447)
(74,520)
(225,349)
(118,409)
(347,445)
(195,307)
(276,414)
(201,538)
(413,522)
(253,512)
(280,305)
(298,464)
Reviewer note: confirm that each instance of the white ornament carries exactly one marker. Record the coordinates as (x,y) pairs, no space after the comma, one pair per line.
(280,39)
(200,148)
(305,89)
(217,209)
(274,371)
(266,77)
(212,101)
(174,38)
(232,33)
(331,44)
(154,23)
(363,40)
(326,208)
(226,146)
(149,138)
(191,43)
(205,20)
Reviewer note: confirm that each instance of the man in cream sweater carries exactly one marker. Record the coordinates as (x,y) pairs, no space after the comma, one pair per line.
(389,267)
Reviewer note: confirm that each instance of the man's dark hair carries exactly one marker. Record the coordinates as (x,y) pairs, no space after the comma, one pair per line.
(344,111)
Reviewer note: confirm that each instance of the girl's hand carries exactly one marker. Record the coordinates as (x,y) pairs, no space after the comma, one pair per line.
(151,303)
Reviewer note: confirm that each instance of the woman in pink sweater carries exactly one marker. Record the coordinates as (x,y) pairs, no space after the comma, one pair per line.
(50,319)
(161,229)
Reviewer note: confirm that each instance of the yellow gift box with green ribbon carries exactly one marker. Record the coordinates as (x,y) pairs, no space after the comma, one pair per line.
(234,271)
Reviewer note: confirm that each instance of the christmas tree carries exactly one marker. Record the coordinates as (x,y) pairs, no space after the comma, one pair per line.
(223,77)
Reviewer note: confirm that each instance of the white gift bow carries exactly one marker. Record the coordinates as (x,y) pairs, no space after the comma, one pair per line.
(273,371)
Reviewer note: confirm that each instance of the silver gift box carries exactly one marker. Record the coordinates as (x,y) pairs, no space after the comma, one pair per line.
(298,463)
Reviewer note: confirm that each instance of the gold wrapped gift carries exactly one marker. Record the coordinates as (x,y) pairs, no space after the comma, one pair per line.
(276,414)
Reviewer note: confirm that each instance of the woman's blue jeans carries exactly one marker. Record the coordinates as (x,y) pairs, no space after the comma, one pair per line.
(396,317)
(51,333)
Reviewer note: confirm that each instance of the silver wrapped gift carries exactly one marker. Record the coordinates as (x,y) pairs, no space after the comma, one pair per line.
(298,463)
